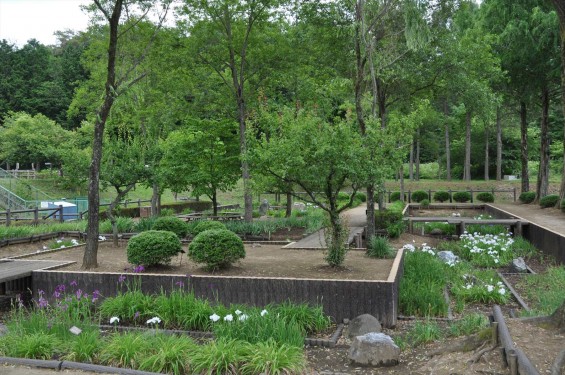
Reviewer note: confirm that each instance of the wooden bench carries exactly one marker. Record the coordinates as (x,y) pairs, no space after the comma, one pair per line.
(514,224)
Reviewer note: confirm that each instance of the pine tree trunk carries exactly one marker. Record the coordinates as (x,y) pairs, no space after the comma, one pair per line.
(486,155)
(447,146)
(467,163)
(417,176)
(542,185)
(524,147)
(156,200)
(498,145)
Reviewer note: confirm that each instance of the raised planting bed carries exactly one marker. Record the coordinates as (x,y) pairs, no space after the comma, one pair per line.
(268,274)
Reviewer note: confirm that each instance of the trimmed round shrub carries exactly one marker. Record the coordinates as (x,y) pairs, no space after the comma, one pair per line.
(441,196)
(206,225)
(217,248)
(361,196)
(172,224)
(420,195)
(425,203)
(395,196)
(485,197)
(549,201)
(462,196)
(153,247)
(527,197)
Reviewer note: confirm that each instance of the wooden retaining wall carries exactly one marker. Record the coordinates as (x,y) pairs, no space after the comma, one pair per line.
(546,240)
(340,298)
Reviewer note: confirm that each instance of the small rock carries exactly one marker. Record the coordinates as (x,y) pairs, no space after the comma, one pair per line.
(519,265)
(448,256)
(374,349)
(436,232)
(363,324)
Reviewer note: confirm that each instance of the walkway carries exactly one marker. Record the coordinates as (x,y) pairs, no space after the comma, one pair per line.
(17,269)
(549,218)
(355,219)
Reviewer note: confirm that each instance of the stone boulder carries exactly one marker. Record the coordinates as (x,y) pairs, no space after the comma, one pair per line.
(363,324)
(448,257)
(264,207)
(519,265)
(374,349)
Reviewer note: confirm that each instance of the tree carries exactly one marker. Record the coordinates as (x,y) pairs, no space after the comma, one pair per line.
(228,32)
(113,87)
(320,158)
(560,8)
(32,140)
(203,157)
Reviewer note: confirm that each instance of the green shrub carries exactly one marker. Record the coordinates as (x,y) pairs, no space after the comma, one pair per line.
(386,218)
(441,196)
(425,203)
(395,230)
(527,197)
(549,201)
(167,212)
(485,197)
(379,247)
(395,196)
(361,196)
(420,195)
(343,196)
(153,247)
(124,225)
(462,196)
(144,224)
(171,224)
(217,248)
(203,225)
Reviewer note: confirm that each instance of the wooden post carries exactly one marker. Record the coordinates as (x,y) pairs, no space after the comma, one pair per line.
(61,214)
(8,217)
(512,362)
(409,197)
(430,195)
(471,190)
(36,216)
(514,194)
(494,337)
(450,199)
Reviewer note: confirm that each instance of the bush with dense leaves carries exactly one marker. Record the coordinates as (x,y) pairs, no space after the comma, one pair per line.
(153,247)
(462,196)
(361,196)
(172,224)
(527,197)
(549,201)
(420,195)
(395,196)
(485,197)
(425,203)
(441,196)
(217,248)
(206,225)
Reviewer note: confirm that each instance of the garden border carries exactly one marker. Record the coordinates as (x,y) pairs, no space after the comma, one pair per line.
(340,299)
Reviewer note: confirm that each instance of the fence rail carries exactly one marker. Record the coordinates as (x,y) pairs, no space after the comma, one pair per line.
(20,215)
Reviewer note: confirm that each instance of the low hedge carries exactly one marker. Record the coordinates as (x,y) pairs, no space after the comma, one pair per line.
(217,248)
(133,209)
(549,201)
(420,195)
(171,224)
(462,196)
(485,197)
(527,197)
(441,196)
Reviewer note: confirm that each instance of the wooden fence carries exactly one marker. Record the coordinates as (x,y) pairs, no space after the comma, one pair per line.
(9,216)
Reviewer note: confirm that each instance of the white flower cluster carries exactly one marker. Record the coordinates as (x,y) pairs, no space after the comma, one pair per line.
(154,320)
(229,318)
(489,244)
(456,214)
(101,238)
(491,288)
(114,319)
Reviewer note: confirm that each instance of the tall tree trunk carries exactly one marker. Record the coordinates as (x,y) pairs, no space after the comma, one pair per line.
(524,147)
(417,176)
(370,213)
(467,163)
(411,162)
(447,143)
(120,194)
(560,7)
(498,145)
(542,185)
(155,200)
(215,203)
(288,204)
(401,173)
(90,258)
(486,154)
